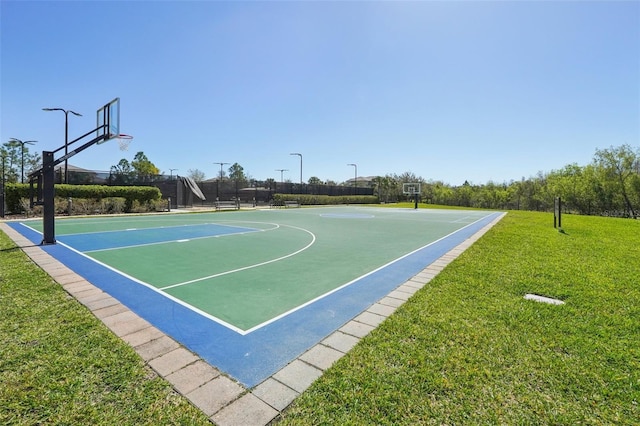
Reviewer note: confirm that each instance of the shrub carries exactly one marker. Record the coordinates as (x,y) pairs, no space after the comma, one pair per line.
(157,205)
(308,199)
(113,205)
(15,194)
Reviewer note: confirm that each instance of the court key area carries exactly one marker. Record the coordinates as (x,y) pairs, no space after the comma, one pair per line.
(250,291)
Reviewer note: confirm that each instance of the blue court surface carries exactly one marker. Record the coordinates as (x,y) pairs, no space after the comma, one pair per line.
(250,291)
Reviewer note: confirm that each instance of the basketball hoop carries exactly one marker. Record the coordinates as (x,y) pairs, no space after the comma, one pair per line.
(124,141)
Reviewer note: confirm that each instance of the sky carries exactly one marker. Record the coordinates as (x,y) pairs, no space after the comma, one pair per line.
(454,91)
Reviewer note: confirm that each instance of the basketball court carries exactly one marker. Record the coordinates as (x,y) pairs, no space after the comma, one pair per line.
(250,291)
(269,298)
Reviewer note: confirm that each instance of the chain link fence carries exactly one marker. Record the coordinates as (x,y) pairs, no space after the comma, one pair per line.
(254,193)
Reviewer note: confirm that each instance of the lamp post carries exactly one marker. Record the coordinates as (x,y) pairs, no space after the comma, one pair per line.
(66,135)
(221,164)
(218,181)
(281,174)
(4,158)
(23,143)
(355,180)
(171,173)
(300,155)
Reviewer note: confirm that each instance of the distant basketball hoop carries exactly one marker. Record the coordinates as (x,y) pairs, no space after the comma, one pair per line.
(412,190)
(123,141)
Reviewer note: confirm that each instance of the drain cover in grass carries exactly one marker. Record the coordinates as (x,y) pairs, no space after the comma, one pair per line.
(543,299)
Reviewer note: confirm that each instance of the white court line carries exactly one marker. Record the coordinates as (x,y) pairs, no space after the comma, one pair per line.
(177,241)
(322,296)
(462,219)
(161,227)
(261,325)
(244,268)
(155,289)
(151,287)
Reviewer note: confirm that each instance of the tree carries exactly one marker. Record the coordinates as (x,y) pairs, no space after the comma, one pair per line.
(442,193)
(463,194)
(196,175)
(270,183)
(314,180)
(122,173)
(143,168)
(12,153)
(236,173)
(619,167)
(384,185)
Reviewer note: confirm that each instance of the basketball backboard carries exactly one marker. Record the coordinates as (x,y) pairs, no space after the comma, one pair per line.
(411,188)
(108,120)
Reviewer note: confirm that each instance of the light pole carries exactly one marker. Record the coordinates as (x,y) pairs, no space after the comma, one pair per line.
(355,180)
(218,181)
(23,143)
(281,174)
(4,158)
(221,164)
(66,134)
(300,155)
(171,173)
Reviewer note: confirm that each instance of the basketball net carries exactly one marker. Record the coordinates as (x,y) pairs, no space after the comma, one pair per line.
(124,141)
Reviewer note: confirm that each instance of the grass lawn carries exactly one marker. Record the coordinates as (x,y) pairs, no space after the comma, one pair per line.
(61,365)
(466,349)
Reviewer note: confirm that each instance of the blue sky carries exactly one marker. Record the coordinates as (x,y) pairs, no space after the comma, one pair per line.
(451,91)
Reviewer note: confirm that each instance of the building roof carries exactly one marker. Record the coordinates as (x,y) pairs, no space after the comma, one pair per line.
(72,168)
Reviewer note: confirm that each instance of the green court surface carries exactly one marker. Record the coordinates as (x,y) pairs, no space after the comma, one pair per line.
(246,269)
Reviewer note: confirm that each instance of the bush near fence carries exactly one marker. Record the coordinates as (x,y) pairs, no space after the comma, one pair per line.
(91,198)
(309,199)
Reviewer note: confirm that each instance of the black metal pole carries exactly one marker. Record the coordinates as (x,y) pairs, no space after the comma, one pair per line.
(66,135)
(2,193)
(22,167)
(66,146)
(559,212)
(48,196)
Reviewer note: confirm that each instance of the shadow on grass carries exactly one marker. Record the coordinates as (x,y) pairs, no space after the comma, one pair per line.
(10,249)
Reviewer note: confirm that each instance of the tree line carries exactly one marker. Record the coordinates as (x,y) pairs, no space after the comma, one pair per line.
(609,185)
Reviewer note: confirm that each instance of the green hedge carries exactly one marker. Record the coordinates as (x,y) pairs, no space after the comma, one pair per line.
(308,199)
(15,192)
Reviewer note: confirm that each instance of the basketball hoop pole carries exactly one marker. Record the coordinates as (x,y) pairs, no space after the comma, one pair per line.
(48,195)
(410,189)
(45,176)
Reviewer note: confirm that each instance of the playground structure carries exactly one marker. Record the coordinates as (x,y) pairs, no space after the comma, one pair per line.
(42,190)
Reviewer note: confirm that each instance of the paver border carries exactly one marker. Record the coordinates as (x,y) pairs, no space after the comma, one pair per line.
(222,399)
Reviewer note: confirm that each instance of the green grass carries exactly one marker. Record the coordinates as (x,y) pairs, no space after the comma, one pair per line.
(467,349)
(61,365)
